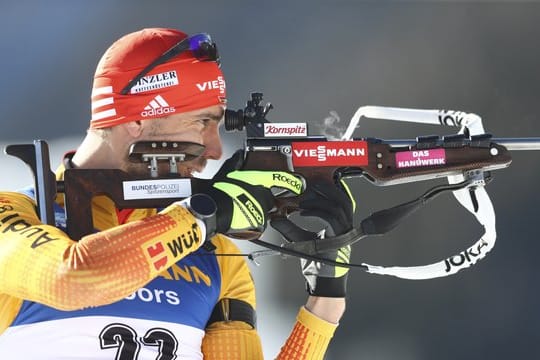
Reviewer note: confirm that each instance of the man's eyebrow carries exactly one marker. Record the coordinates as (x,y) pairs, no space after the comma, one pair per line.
(211,115)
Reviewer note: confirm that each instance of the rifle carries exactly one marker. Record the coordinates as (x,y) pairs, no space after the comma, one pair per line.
(466,159)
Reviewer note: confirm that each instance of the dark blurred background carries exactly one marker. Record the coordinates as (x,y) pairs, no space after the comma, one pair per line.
(310,58)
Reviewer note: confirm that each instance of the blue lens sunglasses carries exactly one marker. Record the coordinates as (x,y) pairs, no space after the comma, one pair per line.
(200,45)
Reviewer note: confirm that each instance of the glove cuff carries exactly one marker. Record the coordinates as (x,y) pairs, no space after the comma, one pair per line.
(327,286)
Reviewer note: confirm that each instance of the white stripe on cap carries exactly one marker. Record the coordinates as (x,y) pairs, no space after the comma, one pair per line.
(102,102)
(102,91)
(103,114)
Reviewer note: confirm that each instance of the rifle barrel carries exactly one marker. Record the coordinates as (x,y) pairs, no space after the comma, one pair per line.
(527,143)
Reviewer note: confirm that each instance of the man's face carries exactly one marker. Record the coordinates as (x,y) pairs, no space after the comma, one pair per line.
(198,126)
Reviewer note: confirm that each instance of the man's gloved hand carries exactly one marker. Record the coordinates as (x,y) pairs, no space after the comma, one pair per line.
(336,207)
(244,198)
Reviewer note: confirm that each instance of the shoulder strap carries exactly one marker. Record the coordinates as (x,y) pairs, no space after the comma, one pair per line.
(233,310)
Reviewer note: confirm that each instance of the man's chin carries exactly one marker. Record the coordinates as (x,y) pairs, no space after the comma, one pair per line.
(190,172)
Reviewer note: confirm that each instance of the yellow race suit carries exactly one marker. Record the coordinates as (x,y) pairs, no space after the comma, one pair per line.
(138,288)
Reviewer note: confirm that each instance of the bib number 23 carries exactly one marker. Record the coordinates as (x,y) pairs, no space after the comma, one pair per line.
(128,343)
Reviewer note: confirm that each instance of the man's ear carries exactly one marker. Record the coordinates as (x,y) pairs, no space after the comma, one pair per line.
(134,128)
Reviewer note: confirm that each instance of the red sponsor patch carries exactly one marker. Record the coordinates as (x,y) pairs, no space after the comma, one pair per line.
(330,153)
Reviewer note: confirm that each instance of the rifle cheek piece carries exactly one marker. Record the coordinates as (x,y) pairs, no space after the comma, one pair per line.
(171,151)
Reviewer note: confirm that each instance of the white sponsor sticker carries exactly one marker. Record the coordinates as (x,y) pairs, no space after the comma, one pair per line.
(156,189)
(154,82)
(285,129)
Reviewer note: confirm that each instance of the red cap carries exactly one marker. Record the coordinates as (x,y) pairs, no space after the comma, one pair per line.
(180,85)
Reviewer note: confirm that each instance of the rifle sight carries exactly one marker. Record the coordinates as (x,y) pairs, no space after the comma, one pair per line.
(252,117)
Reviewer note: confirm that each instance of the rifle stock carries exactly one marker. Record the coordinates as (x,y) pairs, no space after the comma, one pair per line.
(82,185)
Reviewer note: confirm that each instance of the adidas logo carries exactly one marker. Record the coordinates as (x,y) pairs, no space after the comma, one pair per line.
(158,106)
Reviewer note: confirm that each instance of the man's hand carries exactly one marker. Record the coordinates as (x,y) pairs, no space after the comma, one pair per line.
(336,207)
(327,284)
(244,198)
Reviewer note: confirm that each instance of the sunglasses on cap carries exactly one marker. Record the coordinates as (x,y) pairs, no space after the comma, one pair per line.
(200,45)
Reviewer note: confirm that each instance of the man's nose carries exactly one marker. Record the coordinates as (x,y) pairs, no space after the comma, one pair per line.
(212,142)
